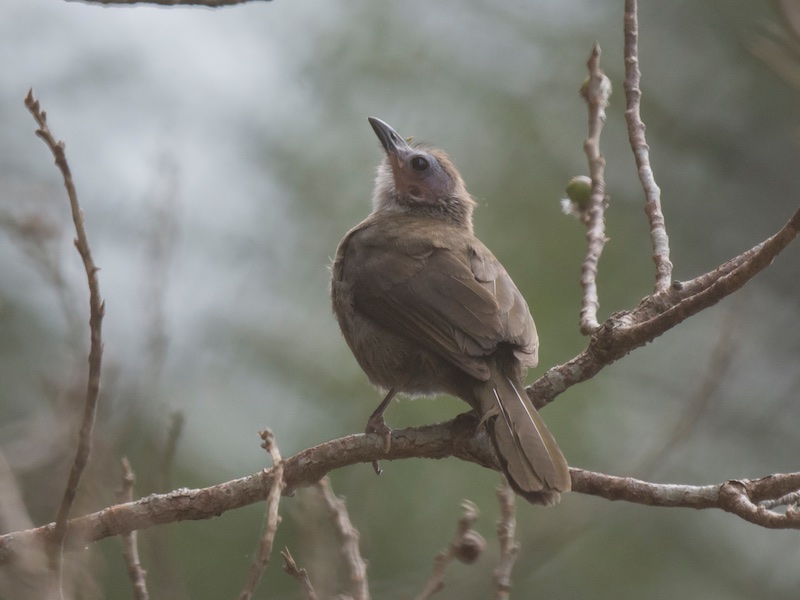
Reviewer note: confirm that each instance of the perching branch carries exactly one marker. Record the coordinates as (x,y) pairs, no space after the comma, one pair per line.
(96,312)
(454,438)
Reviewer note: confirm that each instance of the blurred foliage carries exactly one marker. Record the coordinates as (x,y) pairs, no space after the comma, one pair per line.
(221,155)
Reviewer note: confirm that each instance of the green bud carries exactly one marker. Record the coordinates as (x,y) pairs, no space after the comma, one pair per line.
(579,190)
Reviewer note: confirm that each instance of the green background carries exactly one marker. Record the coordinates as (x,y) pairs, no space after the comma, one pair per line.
(221,155)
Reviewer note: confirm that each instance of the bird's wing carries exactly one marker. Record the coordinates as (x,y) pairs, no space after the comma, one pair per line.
(456,302)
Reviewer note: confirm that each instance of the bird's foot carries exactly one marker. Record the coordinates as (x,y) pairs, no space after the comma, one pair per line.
(377,424)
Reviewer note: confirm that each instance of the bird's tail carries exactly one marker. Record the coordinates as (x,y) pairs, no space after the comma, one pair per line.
(528,453)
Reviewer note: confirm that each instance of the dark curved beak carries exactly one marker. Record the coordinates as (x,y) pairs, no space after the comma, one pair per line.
(391,141)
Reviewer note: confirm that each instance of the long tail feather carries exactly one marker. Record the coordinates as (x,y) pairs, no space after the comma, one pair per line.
(528,453)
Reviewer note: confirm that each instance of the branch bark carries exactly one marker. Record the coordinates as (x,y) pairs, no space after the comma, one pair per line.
(596,90)
(641,151)
(454,438)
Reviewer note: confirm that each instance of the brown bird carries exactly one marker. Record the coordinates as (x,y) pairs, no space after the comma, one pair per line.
(426,308)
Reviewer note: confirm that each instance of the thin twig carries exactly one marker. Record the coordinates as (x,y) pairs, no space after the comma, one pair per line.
(348,540)
(299,574)
(466,546)
(509,547)
(596,91)
(272,517)
(641,151)
(130,548)
(96,311)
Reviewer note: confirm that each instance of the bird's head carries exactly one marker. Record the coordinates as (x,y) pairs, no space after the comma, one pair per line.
(418,180)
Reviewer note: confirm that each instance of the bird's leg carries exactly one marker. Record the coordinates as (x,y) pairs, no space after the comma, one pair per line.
(377,424)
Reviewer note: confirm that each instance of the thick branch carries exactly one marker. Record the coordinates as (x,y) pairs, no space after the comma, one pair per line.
(453,438)
(739,497)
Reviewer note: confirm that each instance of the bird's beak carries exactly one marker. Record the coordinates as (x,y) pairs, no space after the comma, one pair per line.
(396,147)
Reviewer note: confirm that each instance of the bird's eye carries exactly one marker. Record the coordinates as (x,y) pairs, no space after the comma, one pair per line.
(419,163)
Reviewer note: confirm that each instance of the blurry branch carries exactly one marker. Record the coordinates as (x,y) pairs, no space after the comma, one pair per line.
(177,420)
(130,549)
(163,206)
(29,572)
(789,12)
(205,3)
(596,90)
(37,237)
(698,403)
(456,438)
(299,574)
(509,547)
(96,311)
(641,151)
(272,520)
(348,540)
(467,546)
(779,48)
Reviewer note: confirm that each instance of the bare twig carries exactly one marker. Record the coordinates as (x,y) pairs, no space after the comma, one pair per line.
(272,518)
(466,546)
(509,547)
(299,574)
(596,91)
(348,540)
(130,548)
(641,151)
(96,311)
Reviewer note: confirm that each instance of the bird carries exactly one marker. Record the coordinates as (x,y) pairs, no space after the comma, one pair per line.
(427,309)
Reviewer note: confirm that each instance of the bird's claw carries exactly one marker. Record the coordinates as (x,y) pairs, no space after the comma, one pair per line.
(377,424)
